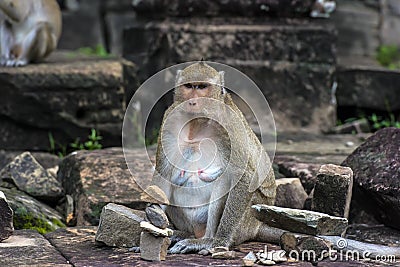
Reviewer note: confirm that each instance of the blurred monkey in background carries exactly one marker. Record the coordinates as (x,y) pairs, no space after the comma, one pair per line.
(29,30)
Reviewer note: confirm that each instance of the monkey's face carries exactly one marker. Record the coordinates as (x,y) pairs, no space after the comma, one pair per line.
(193,94)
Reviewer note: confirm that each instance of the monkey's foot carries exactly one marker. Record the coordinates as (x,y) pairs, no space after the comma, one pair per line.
(191,246)
(13,62)
(134,249)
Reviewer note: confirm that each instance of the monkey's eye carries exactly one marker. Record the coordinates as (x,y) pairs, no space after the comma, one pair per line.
(188,85)
(202,86)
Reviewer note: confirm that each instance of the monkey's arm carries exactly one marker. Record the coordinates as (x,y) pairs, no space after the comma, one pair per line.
(16,10)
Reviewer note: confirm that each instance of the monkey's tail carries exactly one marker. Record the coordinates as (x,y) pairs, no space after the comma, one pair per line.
(269,234)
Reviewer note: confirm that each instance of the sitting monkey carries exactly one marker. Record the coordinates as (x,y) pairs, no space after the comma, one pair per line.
(211,166)
(29,30)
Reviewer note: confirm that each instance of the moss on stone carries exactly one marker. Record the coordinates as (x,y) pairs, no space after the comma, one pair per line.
(25,220)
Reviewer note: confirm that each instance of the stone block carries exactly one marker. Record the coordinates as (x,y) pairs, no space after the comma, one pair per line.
(119,226)
(358,28)
(95,178)
(47,160)
(376,165)
(67,96)
(292,63)
(290,193)
(156,231)
(216,41)
(153,248)
(368,87)
(29,248)
(209,8)
(333,190)
(307,172)
(300,221)
(116,23)
(32,214)
(30,177)
(155,195)
(390,22)
(6,218)
(81,28)
(156,216)
(299,94)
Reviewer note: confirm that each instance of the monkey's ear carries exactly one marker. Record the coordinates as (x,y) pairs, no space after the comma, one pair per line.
(222,81)
(178,77)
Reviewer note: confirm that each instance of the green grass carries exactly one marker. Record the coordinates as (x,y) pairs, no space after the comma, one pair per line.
(389,56)
(378,122)
(61,150)
(98,51)
(92,143)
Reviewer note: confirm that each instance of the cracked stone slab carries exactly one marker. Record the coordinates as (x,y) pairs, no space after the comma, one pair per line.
(28,247)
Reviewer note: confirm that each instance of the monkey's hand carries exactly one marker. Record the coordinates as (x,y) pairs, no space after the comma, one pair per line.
(191,246)
(209,175)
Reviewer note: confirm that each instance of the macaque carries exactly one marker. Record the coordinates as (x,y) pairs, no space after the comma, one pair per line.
(29,30)
(211,166)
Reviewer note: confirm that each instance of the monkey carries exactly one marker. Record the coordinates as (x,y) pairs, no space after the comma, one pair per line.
(29,30)
(211,166)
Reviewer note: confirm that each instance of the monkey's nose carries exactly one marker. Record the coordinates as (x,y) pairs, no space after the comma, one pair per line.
(192,103)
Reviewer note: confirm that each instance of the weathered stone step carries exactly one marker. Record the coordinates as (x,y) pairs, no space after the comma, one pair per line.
(299,94)
(229,39)
(318,148)
(66,96)
(292,62)
(225,8)
(29,248)
(368,87)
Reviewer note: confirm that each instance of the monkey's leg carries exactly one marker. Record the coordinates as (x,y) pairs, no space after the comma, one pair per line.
(235,212)
(221,231)
(36,45)
(6,41)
